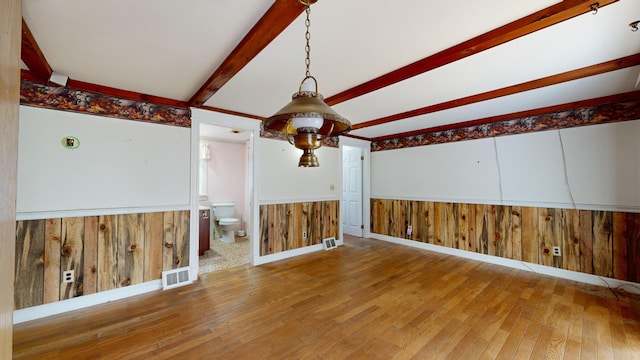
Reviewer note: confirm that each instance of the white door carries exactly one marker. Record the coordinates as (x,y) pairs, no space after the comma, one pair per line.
(352,191)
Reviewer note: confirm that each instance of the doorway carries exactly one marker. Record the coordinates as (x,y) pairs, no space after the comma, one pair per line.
(352,159)
(355,199)
(223,179)
(225,129)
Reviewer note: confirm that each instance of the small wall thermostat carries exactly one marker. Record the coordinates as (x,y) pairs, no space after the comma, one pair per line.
(70,142)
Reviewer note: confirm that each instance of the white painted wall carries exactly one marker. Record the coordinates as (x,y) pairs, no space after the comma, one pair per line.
(605,158)
(464,171)
(532,168)
(119,163)
(281,180)
(227,174)
(602,169)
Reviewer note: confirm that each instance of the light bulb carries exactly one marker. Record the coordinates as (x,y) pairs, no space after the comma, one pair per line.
(307,122)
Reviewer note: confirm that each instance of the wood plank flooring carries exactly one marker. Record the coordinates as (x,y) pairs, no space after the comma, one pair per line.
(366,300)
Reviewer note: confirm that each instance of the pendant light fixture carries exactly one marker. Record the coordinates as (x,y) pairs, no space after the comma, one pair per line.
(307,118)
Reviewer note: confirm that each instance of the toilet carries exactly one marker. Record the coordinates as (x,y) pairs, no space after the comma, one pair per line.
(223,215)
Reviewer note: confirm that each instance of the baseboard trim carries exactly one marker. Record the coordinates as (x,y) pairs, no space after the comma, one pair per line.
(261,260)
(521,265)
(80,302)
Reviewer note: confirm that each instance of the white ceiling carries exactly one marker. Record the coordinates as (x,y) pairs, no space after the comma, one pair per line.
(170,48)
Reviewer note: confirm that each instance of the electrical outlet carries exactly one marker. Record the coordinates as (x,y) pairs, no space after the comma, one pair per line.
(68,276)
(409,230)
(304,234)
(556,250)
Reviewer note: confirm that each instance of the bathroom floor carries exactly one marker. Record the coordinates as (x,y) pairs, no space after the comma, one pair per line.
(225,255)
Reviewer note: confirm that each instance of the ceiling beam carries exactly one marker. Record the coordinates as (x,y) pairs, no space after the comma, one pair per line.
(32,55)
(619,98)
(30,76)
(279,16)
(587,71)
(234,113)
(109,91)
(126,94)
(552,15)
(350,135)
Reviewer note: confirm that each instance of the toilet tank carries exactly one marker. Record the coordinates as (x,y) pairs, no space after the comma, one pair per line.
(223,210)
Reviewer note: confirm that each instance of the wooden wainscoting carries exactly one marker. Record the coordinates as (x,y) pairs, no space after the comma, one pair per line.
(603,243)
(282,225)
(105,252)
(367,299)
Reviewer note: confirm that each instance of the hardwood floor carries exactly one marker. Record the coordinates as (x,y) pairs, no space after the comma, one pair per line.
(365,300)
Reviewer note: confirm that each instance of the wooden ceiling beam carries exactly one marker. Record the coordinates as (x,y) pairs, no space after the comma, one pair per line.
(592,70)
(106,90)
(633,95)
(234,113)
(279,16)
(32,55)
(126,94)
(549,16)
(30,76)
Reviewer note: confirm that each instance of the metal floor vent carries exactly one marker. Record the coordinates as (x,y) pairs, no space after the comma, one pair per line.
(174,278)
(329,243)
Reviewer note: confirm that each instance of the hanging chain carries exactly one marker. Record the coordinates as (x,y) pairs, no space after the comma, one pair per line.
(307,35)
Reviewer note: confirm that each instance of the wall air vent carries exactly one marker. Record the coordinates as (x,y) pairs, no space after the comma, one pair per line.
(329,243)
(174,278)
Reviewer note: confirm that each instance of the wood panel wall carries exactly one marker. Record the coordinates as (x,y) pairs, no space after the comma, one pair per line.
(282,225)
(106,252)
(601,243)
(10,36)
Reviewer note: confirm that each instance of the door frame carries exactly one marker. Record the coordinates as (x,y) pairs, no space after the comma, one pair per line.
(366,182)
(200,116)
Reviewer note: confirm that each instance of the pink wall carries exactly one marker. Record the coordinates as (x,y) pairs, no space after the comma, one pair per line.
(227,175)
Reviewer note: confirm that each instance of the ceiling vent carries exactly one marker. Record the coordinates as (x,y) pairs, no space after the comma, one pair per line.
(329,243)
(176,277)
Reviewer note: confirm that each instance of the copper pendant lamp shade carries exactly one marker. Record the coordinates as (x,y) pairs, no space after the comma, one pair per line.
(307,118)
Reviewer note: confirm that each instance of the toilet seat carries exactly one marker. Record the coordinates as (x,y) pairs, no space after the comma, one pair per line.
(228,221)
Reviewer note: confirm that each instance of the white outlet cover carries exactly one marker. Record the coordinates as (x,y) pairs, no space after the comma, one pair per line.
(68,276)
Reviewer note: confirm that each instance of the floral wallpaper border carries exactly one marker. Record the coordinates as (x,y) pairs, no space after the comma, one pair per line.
(68,99)
(601,114)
